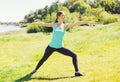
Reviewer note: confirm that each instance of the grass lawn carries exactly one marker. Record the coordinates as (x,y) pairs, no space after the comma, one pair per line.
(97,48)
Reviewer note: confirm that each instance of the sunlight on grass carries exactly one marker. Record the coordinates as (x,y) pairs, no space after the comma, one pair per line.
(97,49)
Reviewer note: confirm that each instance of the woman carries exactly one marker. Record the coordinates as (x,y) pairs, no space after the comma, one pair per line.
(56,43)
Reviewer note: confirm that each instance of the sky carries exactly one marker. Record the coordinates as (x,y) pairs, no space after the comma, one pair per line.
(15,10)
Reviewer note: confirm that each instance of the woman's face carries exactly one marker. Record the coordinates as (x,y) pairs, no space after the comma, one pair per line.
(62,16)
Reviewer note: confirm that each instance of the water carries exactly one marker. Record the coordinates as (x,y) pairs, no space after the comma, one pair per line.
(6,28)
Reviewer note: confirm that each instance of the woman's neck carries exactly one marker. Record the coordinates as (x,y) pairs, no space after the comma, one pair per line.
(60,22)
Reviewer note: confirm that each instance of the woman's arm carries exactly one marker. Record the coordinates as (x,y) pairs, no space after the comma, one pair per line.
(45,24)
(69,25)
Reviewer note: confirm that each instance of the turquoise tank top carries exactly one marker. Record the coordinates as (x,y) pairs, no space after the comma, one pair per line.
(57,37)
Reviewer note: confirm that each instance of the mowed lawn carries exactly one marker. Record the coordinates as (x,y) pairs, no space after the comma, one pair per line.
(97,49)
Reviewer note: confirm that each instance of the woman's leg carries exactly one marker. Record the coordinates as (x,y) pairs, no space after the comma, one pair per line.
(46,55)
(67,52)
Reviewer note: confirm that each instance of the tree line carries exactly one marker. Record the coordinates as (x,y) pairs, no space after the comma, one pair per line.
(104,11)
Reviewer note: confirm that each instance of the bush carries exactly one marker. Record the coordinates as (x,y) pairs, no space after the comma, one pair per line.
(100,15)
(72,17)
(89,18)
(35,27)
(107,18)
(79,6)
(92,14)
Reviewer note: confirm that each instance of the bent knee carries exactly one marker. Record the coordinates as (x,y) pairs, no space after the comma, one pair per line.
(74,56)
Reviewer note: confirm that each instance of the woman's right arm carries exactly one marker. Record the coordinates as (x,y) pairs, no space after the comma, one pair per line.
(45,24)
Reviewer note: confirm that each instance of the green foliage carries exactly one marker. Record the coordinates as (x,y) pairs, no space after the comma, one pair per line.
(109,5)
(74,17)
(35,27)
(50,18)
(76,10)
(53,8)
(94,11)
(107,18)
(89,18)
(79,6)
(92,14)
(70,17)
(69,3)
(30,17)
(112,6)
(100,15)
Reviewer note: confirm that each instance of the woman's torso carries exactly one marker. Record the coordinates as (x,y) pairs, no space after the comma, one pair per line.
(58,35)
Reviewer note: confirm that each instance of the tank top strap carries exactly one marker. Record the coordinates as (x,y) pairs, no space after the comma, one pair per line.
(55,25)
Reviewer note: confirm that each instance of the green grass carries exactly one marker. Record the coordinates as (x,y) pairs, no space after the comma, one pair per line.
(97,48)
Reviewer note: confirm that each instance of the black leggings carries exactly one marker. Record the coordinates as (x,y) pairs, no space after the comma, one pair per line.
(49,50)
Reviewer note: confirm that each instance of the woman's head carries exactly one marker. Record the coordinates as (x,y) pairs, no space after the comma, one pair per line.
(60,16)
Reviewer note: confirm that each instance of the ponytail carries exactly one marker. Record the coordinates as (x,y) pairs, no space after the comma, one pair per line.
(56,20)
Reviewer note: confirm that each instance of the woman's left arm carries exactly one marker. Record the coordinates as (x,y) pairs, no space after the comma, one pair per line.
(69,25)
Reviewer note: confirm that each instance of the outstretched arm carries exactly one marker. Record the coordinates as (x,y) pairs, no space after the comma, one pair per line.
(45,24)
(69,25)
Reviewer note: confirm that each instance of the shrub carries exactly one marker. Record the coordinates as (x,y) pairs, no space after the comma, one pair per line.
(89,18)
(94,11)
(107,18)
(72,17)
(79,6)
(35,27)
(92,14)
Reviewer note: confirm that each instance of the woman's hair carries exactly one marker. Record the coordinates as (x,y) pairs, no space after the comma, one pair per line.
(58,14)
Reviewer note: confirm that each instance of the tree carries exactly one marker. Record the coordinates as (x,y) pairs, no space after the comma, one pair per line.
(79,6)
(112,6)
(69,3)
(29,18)
(53,8)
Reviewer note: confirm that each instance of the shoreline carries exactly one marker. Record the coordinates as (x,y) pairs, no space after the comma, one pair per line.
(8,28)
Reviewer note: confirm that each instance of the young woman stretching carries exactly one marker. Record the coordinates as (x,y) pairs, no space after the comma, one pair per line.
(56,43)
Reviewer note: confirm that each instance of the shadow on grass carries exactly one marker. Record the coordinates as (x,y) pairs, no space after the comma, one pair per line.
(54,78)
(28,77)
(25,78)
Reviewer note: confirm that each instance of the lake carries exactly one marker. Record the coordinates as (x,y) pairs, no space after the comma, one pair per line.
(6,28)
